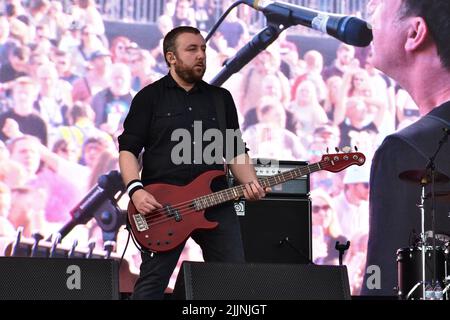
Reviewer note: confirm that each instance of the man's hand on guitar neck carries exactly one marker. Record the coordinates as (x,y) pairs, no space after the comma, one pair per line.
(145,202)
(243,170)
(254,192)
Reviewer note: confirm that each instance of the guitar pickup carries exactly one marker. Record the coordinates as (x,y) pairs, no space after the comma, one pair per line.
(177,216)
(140,222)
(171,212)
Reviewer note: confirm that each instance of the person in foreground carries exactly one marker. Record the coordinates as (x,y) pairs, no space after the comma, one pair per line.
(411,46)
(182,101)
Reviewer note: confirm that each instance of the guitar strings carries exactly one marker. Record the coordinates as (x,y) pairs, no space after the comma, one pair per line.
(183,209)
(188,205)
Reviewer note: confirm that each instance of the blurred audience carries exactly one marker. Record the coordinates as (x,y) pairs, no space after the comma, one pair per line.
(66,84)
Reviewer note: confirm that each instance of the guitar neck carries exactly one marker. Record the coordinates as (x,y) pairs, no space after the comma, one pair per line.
(226,195)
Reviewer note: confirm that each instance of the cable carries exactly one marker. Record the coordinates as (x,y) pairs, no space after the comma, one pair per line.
(125,250)
(216,26)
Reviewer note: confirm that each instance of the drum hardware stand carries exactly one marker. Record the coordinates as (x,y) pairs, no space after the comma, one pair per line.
(431,166)
(423,240)
(413,289)
(446,277)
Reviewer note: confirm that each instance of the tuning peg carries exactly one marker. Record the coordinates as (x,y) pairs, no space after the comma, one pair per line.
(328,150)
(356,149)
(337,150)
(347,149)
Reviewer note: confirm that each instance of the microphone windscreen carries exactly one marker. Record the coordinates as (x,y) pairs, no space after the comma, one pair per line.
(355,32)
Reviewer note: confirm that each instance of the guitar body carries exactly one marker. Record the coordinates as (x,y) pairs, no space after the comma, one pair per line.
(165,232)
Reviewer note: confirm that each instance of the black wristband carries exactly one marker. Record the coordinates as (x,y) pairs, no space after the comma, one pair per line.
(134,181)
(133,190)
(134,186)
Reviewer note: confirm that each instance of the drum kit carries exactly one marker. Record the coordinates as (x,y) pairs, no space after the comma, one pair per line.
(424,268)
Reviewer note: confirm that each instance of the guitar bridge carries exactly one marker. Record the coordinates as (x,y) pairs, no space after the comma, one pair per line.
(140,222)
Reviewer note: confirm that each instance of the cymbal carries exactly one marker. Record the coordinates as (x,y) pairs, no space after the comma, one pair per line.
(440,196)
(423,177)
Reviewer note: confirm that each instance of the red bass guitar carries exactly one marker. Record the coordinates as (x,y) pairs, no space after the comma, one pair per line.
(183,206)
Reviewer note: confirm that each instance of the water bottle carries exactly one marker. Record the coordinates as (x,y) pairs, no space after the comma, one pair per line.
(438,294)
(429,291)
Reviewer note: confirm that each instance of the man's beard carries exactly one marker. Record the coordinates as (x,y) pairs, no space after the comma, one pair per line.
(190,75)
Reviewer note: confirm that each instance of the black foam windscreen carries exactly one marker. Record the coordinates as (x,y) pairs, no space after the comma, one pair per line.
(222,281)
(58,279)
(355,32)
(276,230)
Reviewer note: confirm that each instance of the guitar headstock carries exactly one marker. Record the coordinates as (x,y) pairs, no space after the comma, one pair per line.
(340,161)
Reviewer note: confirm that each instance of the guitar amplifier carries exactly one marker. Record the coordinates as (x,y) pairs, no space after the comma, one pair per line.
(276,230)
(297,188)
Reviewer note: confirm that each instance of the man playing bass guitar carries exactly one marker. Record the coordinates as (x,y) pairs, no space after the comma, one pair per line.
(181,100)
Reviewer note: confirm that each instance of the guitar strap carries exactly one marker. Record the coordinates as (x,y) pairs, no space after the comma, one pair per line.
(220,110)
(218,101)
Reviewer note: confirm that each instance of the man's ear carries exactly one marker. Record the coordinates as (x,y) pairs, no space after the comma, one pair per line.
(417,34)
(171,57)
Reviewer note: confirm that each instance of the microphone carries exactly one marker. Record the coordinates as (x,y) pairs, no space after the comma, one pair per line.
(348,29)
(98,203)
(107,186)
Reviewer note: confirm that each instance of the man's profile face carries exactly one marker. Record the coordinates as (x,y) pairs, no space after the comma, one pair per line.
(190,64)
(388,31)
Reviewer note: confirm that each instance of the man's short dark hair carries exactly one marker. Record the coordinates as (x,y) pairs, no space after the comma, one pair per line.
(169,43)
(437,16)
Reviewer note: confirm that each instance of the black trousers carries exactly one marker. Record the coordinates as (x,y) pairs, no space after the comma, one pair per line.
(222,244)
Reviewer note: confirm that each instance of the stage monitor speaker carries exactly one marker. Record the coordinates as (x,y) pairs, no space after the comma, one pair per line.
(276,230)
(222,281)
(58,279)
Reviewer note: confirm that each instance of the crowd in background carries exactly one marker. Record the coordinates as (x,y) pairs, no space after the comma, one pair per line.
(65,89)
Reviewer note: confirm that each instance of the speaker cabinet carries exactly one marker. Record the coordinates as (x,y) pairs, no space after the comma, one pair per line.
(221,281)
(276,230)
(58,279)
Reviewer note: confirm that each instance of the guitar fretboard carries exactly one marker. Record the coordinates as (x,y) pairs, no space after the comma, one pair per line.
(226,195)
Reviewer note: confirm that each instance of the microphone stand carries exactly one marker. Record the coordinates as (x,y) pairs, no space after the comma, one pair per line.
(423,239)
(341,248)
(259,43)
(100,203)
(432,167)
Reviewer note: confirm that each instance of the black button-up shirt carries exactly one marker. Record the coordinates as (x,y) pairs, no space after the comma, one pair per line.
(163,107)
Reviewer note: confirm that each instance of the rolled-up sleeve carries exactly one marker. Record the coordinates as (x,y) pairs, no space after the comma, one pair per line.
(137,124)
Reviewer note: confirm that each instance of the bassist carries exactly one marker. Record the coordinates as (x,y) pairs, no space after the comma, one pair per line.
(181,100)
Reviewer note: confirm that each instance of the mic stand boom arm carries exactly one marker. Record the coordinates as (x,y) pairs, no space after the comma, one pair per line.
(259,43)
